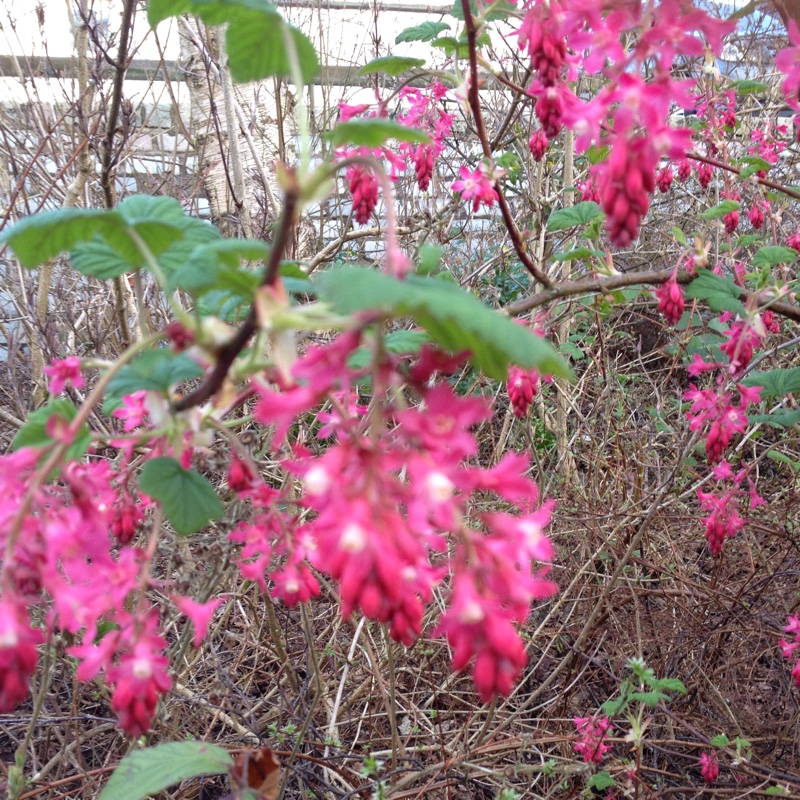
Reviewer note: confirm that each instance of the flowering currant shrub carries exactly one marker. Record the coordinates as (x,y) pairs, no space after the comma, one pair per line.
(388,497)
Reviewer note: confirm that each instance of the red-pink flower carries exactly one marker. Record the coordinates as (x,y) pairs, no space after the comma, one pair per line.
(788,62)
(793,241)
(475,186)
(363,186)
(709,766)
(17,654)
(63,372)
(538,144)
(200,614)
(593,733)
(670,300)
(704,174)
(523,384)
(756,215)
(684,170)
(731,222)
(664,179)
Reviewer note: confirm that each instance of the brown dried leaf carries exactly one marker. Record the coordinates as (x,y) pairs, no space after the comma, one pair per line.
(258,770)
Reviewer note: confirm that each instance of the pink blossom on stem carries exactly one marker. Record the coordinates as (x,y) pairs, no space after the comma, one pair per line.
(62,372)
(709,766)
(363,186)
(664,179)
(731,222)
(538,144)
(475,186)
(670,300)
(593,733)
(684,170)
(793,241)
(17,653)
(756,214)
(788,62)
(522,388)
(704,174)
(200,614)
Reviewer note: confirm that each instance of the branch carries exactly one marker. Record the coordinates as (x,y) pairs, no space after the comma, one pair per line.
(603,285)
(475,106)
(227,354)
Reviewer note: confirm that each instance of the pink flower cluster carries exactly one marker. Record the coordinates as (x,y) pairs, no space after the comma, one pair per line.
(385,494)
(709,766)
(788,648)
(593,734)
(631,112)
(523,385)
(476,185)
(71,562)
(670,300)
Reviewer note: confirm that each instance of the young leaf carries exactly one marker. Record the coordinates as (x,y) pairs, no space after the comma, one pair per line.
(146,772)
(574,216)
(650,699)
(720,740)
(719,291)
(374,133)
(455,319)
(425,32)
(670,685)
(156,370)
(159,10)
(772,256)
(718,212)
(750,87)
(500,10)
(188,499)
(391,65)
(600,781)
(780,419)
(97,259)
(34,432)
(201,270)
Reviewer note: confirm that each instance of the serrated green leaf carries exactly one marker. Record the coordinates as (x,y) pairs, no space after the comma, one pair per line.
(614,706)
(34,432)
(146,772)
(780,419)
(425,32)
(397,342)
(775,383)
(719,291)
(156,370)
(574,216)
(500,10)
(748,239)
(719,211)
(720,740)
(99,260)
(752,164)
(455,319)
(188,499)
(391,65)
(202,270)
(773,256)
(41,237)
(452,46)
(600,781)
(374,133)
(650,699)
(670,685)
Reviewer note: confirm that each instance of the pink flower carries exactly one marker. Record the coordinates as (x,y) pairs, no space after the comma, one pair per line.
(704,174)
(199,613)
(664,179)
(475,186)
(17,654)
(788,62)
(63,372)
(423,165)
(756,215)
(709,766)
(538,144)
(670,300)
(684,170)
(363,186)
(592,742)
(522,388)
(793,241)
(731,221)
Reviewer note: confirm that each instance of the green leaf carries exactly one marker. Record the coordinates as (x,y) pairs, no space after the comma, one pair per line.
(679,235)
(719,291)
(99,260)
(650,699)
(156,370)
(749,87)
(574,216)
(425,32)
(614,706)
(500,10)
(398,342)
(41,237)
(146,772)
(455,319)
(374,133)
(202,270)
(670,685)
(452,46)
(391,65)
(720,740)
(600,781)
(188,499)
(753,164)
(775,383)
(748,239)
(34,432)
(430,256)
(256,48)
(159,10)
(772,256)
(718,212)
(780,419)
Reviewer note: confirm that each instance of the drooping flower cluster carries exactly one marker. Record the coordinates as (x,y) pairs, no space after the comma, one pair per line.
(670,300)
(523,384)
(593,734)
(383,497)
